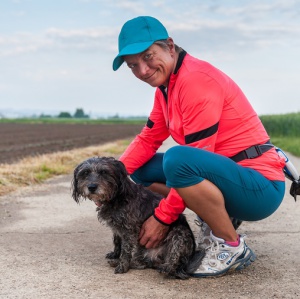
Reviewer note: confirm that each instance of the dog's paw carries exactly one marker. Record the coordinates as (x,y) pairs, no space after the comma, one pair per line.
(112,255)
(182,275)
(138,265)
(171,272)
(113,263)
(122,268)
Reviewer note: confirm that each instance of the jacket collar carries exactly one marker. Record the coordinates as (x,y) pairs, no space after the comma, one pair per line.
(181,56)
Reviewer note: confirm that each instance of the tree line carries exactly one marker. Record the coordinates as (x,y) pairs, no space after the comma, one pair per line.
(79,113)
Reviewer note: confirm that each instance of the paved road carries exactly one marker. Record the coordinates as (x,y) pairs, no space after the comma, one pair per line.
(50,247)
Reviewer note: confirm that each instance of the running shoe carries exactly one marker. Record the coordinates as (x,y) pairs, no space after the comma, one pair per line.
(221,258)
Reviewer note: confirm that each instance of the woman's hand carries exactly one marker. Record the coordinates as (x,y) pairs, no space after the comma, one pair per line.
(152,233)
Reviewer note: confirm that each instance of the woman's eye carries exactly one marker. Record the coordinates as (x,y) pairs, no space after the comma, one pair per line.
(147,56)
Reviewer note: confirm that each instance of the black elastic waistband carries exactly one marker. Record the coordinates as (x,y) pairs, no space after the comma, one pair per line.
(252,152)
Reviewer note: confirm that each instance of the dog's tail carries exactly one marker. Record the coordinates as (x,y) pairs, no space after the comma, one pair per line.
(195,261)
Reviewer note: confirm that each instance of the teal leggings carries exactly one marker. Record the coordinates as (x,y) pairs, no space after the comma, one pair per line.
(248,195)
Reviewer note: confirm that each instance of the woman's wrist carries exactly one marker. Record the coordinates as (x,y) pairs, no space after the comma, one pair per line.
(160,221)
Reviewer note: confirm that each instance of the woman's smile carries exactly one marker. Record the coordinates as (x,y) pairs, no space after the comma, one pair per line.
(148,77)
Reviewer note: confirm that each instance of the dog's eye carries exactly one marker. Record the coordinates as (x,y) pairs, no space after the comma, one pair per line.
(85,172)
(102,172)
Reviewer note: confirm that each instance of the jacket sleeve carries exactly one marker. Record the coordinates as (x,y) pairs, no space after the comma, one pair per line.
(145,144)
(169,208)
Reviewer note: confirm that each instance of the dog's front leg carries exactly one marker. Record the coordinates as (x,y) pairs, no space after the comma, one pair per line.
(125,257)
(115,254)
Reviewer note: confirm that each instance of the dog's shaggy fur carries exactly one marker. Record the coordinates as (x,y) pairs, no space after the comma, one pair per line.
(124,206)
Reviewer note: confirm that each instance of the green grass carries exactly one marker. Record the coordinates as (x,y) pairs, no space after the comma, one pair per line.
(35,170)
(47,171)
(284,130)
(282,125)
(288,144)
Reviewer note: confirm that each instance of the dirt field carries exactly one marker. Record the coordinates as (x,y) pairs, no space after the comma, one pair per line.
(20,140)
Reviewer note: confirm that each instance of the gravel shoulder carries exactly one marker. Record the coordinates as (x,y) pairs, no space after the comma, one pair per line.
(50,247)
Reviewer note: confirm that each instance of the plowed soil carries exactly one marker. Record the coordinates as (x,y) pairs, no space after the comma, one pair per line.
(21,140)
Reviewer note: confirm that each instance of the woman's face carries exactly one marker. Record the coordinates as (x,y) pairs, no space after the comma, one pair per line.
(153,66)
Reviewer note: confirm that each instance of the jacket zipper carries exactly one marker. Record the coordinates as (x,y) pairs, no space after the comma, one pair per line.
(165,94)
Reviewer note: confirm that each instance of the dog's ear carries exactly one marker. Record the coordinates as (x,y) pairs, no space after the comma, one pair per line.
(74,185)
(124,186)
(120,168)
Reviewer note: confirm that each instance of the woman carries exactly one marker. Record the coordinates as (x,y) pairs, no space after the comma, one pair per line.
(224,165)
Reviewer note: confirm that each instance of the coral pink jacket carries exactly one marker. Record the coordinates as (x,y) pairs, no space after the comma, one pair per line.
(203,108)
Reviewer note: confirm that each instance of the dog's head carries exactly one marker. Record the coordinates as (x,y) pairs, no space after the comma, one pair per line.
(99,179)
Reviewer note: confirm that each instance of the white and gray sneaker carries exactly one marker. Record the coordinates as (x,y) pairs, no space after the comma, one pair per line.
(221,258)
(203,237)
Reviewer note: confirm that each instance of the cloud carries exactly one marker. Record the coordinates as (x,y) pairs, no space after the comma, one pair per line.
(135,7)
(228,28)
(214,26)
(90,39)
(254,10)
(16,44)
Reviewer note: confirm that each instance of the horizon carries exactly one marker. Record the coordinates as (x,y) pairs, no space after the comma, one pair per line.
(31,114)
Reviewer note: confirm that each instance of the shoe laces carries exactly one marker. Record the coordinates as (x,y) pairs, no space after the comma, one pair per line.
(198,222)
(211,252)
(213,249)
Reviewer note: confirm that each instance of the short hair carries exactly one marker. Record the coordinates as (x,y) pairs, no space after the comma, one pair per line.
(164,43)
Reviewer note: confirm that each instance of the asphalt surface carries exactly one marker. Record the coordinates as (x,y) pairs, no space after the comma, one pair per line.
(50,247)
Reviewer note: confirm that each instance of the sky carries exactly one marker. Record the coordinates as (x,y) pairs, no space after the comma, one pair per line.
(57,55)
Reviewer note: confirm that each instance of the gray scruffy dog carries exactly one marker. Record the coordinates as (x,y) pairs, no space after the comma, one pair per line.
(124,206)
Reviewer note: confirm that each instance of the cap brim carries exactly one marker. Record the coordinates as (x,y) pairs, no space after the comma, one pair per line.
(130,50)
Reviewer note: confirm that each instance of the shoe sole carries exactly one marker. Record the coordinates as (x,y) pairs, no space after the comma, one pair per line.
(238,265)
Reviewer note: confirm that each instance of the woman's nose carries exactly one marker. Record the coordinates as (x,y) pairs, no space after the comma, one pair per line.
(143,69)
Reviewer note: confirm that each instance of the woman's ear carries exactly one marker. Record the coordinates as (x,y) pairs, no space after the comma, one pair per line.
(171,45)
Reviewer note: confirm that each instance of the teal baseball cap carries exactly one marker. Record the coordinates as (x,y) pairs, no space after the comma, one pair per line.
(137,35)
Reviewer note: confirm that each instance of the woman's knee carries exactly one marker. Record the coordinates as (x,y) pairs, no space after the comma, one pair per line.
(179,167)
(173,159)
(151,172)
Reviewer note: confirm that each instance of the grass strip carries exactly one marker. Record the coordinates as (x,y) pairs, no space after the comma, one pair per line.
(288,144)
(35,170)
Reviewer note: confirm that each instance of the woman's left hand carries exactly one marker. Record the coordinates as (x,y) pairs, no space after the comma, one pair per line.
(152,233)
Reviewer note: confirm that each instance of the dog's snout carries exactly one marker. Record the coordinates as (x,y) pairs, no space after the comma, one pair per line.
(92,187)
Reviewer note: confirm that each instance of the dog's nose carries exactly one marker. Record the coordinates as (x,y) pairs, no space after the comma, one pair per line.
(92,187)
